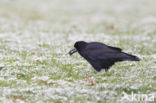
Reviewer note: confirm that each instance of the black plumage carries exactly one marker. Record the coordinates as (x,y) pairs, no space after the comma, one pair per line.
(101,56)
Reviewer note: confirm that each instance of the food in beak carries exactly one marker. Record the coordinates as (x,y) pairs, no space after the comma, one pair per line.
(72,51)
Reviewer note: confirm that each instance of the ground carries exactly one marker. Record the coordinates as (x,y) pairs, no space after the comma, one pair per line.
(36,35)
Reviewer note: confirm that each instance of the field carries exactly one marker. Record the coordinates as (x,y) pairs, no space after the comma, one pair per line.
(36,36)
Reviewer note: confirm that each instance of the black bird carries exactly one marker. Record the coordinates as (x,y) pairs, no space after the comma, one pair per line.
(101,56)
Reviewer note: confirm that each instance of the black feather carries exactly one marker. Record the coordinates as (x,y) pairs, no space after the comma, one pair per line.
(101,56)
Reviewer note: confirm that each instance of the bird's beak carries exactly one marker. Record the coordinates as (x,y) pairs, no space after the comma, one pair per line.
(72,51)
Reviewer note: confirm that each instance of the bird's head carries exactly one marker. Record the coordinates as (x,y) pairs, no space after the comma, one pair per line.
(78,46)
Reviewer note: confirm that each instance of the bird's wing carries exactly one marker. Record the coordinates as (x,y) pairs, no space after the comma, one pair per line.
(102,53)
(110,56)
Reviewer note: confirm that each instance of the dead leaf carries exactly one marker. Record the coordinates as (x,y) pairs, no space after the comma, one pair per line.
(20,97)
(89,81)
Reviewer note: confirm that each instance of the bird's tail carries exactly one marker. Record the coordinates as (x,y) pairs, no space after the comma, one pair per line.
(130,57)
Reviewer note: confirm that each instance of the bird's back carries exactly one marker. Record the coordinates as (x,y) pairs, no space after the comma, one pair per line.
(102,47)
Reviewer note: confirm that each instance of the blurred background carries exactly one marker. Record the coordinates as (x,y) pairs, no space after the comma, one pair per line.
(36,35)
(72,20)
(80,16)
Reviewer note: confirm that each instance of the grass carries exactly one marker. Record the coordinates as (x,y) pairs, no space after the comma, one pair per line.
(35,37)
